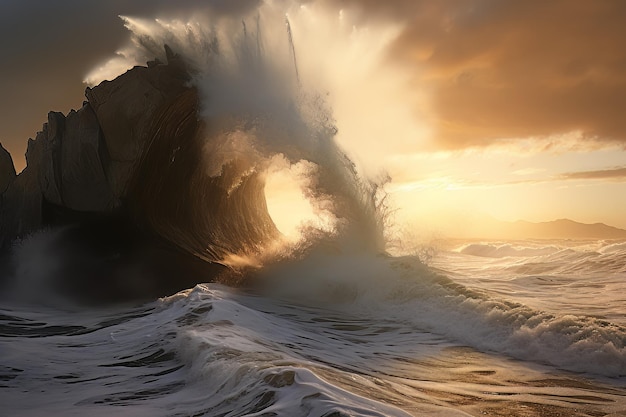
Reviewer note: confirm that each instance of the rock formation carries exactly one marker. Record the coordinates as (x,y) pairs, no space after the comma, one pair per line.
(83,162)
(7,170)
(124,176)
(80,170)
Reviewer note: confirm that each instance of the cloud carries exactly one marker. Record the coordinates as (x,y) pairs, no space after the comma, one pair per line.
(616,174)
(515,68)
(528,171)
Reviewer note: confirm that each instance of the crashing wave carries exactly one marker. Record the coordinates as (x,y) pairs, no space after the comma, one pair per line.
(179,150)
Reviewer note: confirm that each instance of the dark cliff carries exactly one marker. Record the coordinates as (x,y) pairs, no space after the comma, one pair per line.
(122,177)
(83,162)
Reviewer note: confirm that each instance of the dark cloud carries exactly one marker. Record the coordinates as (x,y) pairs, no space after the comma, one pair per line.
(617,174)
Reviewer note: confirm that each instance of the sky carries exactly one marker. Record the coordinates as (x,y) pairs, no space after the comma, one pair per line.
(513,109)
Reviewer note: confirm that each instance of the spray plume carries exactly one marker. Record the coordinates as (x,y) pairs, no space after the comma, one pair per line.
(256,106)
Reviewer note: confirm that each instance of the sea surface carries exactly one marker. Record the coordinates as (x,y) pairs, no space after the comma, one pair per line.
(520,328)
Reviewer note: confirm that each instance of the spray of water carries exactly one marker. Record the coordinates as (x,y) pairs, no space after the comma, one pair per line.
(257,106)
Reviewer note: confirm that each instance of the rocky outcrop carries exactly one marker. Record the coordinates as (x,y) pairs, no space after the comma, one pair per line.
(21,212)
(83,162)
(125,108)
(125,176)
(7,178)
(7,169)
(84,158)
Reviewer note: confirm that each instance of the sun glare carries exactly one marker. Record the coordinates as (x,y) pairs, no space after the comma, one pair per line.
(286,203)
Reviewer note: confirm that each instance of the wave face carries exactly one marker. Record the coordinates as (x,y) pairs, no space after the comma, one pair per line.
(208,216)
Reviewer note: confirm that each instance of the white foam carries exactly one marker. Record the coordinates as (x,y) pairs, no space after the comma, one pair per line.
(506,250)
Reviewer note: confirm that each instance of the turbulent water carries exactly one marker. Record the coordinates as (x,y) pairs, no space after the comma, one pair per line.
(329,325)
(522,329)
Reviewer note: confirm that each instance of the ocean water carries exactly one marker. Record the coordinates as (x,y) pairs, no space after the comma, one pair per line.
(504,329)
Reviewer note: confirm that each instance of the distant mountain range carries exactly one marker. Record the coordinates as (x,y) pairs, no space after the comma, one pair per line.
(557,229)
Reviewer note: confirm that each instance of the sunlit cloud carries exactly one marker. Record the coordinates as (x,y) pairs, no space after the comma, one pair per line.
(616,174)
(516,69)
(528,171)
(440,183)
(452,183)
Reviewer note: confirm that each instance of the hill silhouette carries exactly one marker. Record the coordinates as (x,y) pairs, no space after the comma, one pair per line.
(556,229)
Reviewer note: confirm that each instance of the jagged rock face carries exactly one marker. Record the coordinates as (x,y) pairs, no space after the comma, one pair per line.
(20,213)
(84,183)
(7,169)
(64,167)
(7,178)
(48,147)
(125,175)
(78,174)
(84,161)
(125,108)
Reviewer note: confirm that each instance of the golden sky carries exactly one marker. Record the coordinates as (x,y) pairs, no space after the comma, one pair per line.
(510,108)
